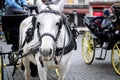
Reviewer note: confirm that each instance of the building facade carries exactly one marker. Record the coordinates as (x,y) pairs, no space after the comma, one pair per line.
(97,6)
(77,9)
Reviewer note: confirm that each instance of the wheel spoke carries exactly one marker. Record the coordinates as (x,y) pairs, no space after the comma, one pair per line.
(87,46)
(118,66)
(118,50)
(117,63)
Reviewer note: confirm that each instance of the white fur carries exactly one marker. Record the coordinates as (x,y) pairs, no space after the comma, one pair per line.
(47,25)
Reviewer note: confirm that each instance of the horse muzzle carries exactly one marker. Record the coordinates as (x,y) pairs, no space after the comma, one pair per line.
(45,58)
(46,55)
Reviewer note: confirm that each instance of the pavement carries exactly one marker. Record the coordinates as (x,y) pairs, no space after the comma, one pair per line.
(98,70)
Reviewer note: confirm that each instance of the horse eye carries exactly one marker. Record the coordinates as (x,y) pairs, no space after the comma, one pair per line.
(58,23)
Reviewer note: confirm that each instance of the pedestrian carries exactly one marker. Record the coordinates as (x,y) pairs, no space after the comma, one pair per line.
(106,23)
(105,20)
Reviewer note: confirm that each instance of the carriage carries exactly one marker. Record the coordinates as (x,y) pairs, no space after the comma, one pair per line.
(95,38)
(10,34)
(16,32)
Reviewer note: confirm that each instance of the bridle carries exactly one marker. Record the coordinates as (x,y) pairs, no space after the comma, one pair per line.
(59,26)
(55,38)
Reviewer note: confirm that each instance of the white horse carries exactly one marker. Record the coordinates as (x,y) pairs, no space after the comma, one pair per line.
(50,34)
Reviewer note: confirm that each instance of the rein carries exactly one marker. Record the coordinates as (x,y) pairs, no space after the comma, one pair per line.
(33,49)
(36,48)
(62,50)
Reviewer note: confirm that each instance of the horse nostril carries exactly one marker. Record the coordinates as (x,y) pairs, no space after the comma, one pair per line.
(50,51)
(46,52)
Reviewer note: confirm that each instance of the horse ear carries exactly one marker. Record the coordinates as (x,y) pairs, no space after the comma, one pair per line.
(61,4)
(40,5)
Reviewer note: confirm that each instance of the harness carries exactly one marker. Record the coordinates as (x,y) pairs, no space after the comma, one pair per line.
(35,48)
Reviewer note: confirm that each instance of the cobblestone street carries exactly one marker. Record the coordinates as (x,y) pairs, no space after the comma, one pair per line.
(98,70)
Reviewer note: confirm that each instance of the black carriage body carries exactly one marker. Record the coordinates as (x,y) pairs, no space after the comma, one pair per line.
(87,21)
(98,35)
(10,26)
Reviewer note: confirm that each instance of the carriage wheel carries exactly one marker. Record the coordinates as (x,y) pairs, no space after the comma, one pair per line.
(88,47)
(115,57)
(1,66)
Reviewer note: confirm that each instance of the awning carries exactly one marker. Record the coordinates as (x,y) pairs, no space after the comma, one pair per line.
(101,6)
(77,10)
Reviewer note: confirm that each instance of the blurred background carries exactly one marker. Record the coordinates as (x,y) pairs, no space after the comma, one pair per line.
(77,9)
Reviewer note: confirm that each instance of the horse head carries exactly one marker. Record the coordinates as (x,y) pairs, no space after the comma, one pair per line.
(49,22)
